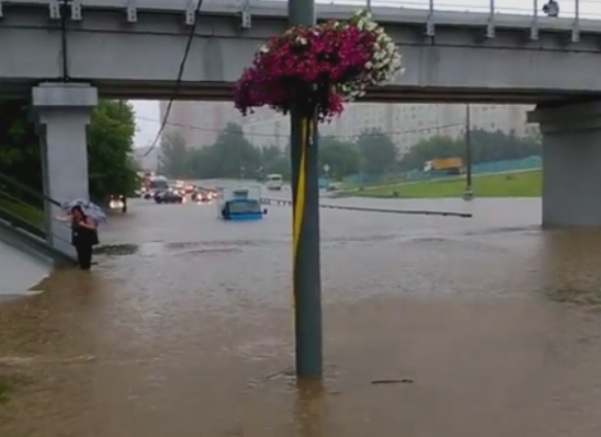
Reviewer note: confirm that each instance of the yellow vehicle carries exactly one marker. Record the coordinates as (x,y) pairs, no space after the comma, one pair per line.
(451,165)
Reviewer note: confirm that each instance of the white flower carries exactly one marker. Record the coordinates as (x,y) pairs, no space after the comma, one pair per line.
(368,65)
(371,25)
(264,49)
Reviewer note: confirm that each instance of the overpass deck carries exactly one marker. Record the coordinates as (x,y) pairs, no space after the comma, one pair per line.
(451,56)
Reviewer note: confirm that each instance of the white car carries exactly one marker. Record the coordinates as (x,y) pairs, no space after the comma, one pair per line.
(274,181)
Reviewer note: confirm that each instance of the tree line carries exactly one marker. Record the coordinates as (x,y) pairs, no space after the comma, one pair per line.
(486,147)
(110,143)
(234,156)
(373,152)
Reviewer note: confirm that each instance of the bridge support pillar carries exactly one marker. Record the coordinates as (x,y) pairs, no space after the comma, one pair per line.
(571,164)
(62,113)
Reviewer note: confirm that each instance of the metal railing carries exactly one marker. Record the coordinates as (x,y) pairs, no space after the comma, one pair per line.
(574,10)
(581,9)
(23,211)
(23,207)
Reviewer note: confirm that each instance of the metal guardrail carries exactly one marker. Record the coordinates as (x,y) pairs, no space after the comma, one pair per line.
(576,10)
(18,221)
(285,202)
(22,208)
(585,9)
(13,183)
(435,11)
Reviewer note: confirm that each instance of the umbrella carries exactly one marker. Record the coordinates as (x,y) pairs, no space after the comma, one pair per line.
(90,209)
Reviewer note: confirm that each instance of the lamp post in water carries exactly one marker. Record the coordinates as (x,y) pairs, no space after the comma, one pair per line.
(305,233)
(469,193)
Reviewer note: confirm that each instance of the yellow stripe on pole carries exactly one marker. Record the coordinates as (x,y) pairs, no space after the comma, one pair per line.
(299,207)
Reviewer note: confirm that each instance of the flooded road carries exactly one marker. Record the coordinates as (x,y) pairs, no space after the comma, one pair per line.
(433,327)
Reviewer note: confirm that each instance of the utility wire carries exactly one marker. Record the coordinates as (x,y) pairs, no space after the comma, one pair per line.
(178,82)
(400,132)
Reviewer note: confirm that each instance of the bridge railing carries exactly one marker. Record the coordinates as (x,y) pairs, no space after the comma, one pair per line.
(571,9)
(574,10)
(583,9)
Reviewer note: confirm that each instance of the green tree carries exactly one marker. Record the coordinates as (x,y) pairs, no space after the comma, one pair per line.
(175,155)
(110,141)
(110,144)
(498,146)
(377,151)
(486,147)
(233,155)
(342,158)
(19,144)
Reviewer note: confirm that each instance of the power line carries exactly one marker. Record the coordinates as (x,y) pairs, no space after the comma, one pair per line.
(400,132)
(178,82)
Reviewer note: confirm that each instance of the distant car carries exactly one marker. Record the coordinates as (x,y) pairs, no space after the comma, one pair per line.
(118,201)
(204,196)
(168,196)
(274,181)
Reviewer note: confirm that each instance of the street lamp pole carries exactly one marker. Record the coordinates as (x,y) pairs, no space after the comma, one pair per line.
(305,197)
(469,193)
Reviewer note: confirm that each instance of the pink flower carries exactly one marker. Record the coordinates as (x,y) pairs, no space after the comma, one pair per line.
(306,64)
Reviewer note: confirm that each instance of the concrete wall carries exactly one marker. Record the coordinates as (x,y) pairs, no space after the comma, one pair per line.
(141,59)
(19,271)
(571,164)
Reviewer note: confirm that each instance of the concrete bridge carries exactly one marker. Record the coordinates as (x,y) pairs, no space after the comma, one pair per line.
(133,49)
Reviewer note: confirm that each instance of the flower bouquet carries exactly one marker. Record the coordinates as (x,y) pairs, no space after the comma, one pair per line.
(319,67)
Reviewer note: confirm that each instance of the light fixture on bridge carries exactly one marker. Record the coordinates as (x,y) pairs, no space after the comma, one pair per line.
(191,12)
(54,9)
(132,12)
(76,10)
(246,18)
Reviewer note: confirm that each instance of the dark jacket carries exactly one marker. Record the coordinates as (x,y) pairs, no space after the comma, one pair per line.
(82,236)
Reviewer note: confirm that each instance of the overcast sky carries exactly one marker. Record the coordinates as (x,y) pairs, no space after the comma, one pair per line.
(591,9)
(146,130)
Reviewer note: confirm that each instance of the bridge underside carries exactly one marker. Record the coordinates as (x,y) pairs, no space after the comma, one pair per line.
(223,91)
(140,59)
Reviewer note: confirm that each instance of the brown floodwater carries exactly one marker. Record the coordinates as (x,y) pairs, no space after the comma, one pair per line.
(432,327)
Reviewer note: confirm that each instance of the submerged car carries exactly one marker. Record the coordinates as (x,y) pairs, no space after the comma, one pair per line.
(240,204)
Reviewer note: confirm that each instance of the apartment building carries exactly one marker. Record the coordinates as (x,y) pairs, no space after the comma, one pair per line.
(406,124)
(201,122)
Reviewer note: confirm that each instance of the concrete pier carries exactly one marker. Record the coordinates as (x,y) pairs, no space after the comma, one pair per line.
(62,112)
(571,164)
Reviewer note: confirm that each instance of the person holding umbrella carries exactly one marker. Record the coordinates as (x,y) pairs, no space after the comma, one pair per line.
(84,218)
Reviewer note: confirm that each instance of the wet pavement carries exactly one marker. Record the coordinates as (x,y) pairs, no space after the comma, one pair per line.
(433,327)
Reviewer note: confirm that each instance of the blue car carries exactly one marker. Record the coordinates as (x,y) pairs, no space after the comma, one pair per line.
(239,204)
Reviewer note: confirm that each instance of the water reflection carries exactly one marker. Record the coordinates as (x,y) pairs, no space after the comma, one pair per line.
(571,267)
(310,408)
